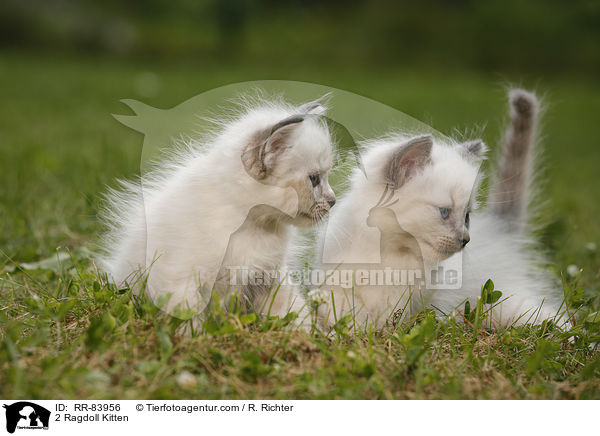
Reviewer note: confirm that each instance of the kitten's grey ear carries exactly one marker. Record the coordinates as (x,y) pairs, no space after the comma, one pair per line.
(475,149)
(316,107)
(294,119)
(259,156)
(408,160)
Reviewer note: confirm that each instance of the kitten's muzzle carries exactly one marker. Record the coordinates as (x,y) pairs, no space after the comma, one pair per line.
(448,245)
(320,209)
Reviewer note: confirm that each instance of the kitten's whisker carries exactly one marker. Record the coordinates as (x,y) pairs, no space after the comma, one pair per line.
(337,241)
(382,196)
(391,194)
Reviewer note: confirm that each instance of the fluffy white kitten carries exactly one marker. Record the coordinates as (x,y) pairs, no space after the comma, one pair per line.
(230,201)
(412,212)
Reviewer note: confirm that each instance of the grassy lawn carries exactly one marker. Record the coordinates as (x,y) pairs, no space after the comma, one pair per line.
(65,333)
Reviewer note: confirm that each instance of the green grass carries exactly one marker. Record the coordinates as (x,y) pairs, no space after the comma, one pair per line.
(66,333)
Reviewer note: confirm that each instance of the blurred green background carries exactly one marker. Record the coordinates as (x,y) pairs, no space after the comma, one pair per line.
(502,35)
(65,64)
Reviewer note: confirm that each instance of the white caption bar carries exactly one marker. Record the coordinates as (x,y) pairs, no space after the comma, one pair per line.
(158,417)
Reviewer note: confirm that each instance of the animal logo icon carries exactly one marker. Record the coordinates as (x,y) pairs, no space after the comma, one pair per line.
(26,415)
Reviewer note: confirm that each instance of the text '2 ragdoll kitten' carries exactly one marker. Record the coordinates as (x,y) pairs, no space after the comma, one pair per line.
(223,206)
(413,213)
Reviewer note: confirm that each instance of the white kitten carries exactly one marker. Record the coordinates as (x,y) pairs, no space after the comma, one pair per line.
(225,203)
(391,219)
(411,213)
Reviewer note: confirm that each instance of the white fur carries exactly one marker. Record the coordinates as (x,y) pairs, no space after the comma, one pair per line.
(175,224)
(348,241)
(530,293)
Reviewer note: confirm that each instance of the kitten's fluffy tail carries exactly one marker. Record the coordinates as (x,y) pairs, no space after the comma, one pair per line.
(510,189)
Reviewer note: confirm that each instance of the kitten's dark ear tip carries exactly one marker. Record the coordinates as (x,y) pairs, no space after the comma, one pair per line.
(475,148)
(425,141)
(294,119)
(313,109)
(523,103)
(316,107)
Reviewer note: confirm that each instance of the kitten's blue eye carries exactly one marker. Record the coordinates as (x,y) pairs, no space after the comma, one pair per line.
(445,212)
(315,179)
(467,219)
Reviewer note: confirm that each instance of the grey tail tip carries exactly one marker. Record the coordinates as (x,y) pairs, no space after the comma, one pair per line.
(524,103)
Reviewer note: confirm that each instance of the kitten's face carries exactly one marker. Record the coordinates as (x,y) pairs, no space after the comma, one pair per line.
(295,153)
(434,187)
(305,166)
(435,211)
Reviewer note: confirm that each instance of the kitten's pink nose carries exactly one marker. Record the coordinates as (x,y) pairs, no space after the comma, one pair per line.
(331,203)
(465,241)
